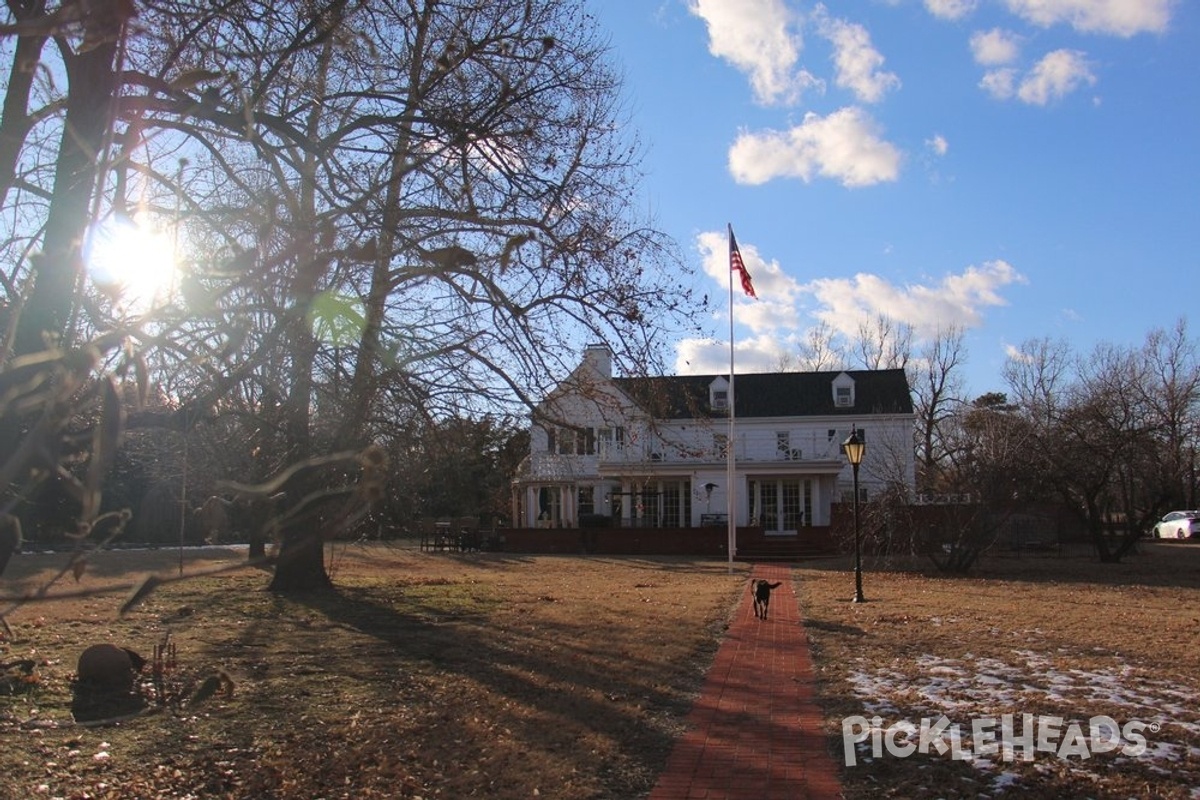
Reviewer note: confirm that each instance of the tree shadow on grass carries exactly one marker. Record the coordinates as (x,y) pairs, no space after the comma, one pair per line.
(559,691)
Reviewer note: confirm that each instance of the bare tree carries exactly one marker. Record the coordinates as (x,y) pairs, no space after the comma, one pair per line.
(18,118)
(422,207)
(988,452)
(1094,437)
(88,45)
(1038,375)
(1172,391)
(884,343)
(820,352)
(936,381)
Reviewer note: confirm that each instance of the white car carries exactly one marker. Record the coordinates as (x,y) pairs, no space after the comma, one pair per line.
(1178,525)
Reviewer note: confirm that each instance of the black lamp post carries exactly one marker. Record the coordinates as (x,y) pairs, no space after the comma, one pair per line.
(855,448)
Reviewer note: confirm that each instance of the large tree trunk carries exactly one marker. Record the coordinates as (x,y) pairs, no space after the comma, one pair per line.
(301,562)
(55,272)
(300,565)
(16,122)
(85,128)
(317,499)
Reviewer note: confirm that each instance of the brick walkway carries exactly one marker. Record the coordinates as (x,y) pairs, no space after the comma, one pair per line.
(755,731)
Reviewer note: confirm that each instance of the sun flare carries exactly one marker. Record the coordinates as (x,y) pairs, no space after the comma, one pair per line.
(133,261)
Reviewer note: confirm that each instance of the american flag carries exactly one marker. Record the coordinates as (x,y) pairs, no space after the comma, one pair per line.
(737,265)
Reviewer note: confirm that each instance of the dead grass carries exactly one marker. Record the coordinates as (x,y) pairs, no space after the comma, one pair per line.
(1052,635)
(510,677)
(423,676)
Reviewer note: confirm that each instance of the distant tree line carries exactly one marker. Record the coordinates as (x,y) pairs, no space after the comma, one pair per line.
(1109,436)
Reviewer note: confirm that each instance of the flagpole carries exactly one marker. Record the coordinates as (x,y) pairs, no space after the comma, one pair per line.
(730,458)
(736,264)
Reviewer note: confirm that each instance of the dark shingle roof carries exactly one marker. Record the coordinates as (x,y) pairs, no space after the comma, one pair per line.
(773,394)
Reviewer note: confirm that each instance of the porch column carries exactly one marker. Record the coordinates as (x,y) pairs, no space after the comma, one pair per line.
(567,495)
(532,507)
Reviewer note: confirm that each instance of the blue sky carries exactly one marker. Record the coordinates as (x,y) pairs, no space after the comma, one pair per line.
(1018,168)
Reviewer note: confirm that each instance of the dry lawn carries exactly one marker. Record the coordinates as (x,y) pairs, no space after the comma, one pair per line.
(425,675)
(447,676)
(1047,635)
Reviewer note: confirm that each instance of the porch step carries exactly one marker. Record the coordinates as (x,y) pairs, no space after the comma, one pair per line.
(756,557)
(788,549)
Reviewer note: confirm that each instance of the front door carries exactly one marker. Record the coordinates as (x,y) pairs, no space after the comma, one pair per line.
(780,505)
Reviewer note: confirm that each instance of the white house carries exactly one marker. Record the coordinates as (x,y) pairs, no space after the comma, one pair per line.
(652,452)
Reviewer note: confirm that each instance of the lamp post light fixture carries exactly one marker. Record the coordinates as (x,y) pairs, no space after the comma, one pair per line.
(855,448)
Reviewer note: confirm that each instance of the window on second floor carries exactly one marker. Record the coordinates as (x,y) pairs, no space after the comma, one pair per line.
(610,439)
(574,442)
(841,436)
(783,447)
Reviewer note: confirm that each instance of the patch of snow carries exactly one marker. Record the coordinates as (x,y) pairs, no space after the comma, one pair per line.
(971,687)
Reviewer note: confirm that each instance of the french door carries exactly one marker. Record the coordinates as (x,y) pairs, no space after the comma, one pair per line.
(780,505)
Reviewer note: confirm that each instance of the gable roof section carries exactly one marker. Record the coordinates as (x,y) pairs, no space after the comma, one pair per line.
(772,394)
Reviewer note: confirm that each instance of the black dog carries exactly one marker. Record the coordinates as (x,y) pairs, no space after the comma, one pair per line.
(762,596)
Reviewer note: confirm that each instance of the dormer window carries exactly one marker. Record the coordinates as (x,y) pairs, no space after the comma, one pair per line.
(718,395)
(843,391)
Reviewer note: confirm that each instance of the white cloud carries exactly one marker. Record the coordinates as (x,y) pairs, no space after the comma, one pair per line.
(845,145)
(958,300)
(937,144)
(950,9)
(754,354)
(756,37)
(1000,83)
(859,64)
(1058,74)
(1117,17)
(995,47)
(772,319)
(775,324)
(1015,353)
(772,285)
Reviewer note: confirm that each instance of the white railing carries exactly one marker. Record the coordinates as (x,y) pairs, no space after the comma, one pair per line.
(749,446)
